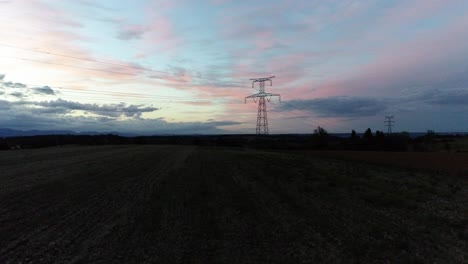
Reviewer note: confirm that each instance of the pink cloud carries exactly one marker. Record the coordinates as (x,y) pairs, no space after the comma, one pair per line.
(220,2)
(158,32)
(51,30)
(422,61)
(411,11)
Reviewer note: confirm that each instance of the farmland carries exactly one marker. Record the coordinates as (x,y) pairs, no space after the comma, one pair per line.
(189,204)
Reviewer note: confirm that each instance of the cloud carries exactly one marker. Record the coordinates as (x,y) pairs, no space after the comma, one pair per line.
(177,70)
(13,85)
(359,49)
(158,31)
(55,115)
(44,90)
(131,32)
(18,95)
(109,110)
(222,123)
(96,5)
(337,106)
(452,97)
(11,89)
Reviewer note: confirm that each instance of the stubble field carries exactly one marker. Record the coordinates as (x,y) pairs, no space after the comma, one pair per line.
(188,204)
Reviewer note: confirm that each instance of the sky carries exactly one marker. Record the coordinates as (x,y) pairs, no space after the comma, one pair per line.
(184,67)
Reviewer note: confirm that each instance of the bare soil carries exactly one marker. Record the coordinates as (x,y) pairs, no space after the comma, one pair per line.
(448,161)
(186,204)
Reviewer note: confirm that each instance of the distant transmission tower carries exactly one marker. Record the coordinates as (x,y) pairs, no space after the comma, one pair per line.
(389,123)
(262,120)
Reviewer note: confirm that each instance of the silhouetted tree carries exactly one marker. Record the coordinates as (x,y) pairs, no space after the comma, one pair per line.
(354,135)
(379,139)
(321,132)
(431,132)
(320,137)
(379,135)
(368,134)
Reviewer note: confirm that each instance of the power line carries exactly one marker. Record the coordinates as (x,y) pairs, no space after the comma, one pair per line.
(74,66)
(139,95)
(109,63)
(99,97)
(113,93)
(153,97)
(109,71)
(90,60)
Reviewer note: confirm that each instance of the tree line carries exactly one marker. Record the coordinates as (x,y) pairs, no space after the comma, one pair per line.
(320,139)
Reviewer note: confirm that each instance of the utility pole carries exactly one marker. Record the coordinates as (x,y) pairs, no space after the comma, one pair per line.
(262,120)
(389,123)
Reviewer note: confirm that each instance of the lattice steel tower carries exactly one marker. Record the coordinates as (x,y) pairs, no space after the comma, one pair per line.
(389,123)
(262,119)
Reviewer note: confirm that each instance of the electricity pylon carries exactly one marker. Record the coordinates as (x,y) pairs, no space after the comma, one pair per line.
(389,123)
(262,120)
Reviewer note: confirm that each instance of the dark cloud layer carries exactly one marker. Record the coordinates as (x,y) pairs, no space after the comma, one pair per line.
(44,90)
(56,115)
(24,89)
(453,97)
(109,110)
(13,85)
(337,106)
(18,95)
(27,114)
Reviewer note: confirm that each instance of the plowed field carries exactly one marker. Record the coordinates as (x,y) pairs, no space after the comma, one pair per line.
(454,163)
(184,204)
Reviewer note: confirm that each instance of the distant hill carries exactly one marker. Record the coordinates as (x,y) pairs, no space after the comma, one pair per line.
(7,132)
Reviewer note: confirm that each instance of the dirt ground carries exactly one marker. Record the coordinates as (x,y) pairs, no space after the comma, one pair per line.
(456,163)
(186,204)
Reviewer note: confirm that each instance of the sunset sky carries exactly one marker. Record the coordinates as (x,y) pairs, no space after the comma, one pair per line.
(183,66)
